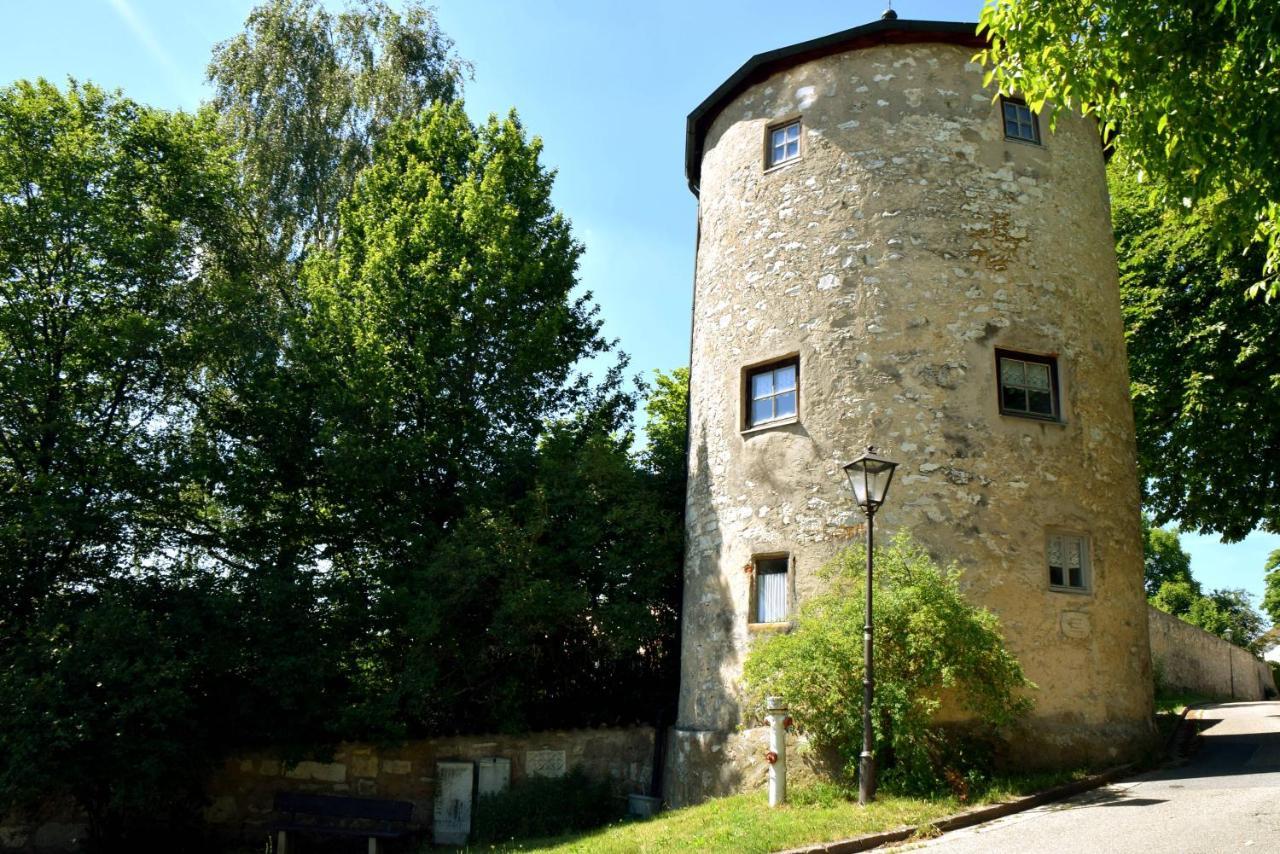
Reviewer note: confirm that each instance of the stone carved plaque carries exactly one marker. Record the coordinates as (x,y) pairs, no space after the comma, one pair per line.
(452,819)
(493,775)
(1075,624)
(544,763)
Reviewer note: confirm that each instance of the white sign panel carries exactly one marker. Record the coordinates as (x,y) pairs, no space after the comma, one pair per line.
(544,763)
(452,821)
(493,775)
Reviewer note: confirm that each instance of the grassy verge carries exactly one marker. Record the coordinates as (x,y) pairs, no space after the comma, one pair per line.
(743,824)
(1169,709)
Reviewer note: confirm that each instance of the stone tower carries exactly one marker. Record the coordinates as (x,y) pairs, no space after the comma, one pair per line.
(889,255)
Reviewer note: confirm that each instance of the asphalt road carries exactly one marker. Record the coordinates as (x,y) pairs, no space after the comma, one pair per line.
(1226,798)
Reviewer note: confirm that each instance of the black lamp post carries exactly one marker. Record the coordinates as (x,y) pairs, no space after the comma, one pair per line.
(869,475)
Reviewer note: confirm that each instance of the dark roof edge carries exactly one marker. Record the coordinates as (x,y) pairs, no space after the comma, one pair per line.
(762,65)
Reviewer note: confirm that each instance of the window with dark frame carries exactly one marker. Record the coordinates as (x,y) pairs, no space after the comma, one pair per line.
(1068,558)
(784,143)
(773,392)
(1028,385)
(1019,122)
(770,605)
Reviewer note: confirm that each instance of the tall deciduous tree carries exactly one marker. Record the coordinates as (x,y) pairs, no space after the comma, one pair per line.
(1204,367)
(110,216)
(1191,89)
(114,254)
(305,93)
(1164,559)
(1271,596)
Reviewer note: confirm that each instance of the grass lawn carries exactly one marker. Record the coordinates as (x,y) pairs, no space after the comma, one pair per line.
(744,823)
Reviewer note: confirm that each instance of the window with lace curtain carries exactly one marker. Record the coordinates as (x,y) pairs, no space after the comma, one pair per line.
(1068,558)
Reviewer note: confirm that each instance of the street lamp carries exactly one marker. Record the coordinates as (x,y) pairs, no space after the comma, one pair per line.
(869,475)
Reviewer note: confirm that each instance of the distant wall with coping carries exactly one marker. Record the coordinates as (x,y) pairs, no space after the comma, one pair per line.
(1187,658)
(241,792)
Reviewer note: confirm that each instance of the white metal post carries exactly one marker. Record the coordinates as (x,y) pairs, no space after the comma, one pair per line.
(777,718)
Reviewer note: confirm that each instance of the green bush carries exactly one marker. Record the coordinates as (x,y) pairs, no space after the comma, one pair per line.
(929,643)
(544,807)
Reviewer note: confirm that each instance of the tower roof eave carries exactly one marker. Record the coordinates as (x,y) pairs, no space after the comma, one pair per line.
(764,65)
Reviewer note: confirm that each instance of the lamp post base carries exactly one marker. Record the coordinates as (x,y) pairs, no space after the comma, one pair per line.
(866,779)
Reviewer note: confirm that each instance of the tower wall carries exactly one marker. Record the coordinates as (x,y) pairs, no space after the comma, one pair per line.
(907,242)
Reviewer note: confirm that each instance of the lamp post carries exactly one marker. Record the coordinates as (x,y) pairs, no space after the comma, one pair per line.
(1230,638)
(869,475)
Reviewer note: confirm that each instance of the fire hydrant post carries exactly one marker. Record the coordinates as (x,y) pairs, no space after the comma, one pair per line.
(777,755)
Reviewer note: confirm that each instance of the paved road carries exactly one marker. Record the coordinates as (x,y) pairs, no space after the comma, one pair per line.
(1227,798)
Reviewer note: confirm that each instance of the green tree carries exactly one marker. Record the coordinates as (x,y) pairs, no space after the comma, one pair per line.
(1271,596)
(115,249)
(1203,367)
(443,339)
(305,93)
(1177,597)
(1164,559)
(1228,614)
(1191,91)
(929,641)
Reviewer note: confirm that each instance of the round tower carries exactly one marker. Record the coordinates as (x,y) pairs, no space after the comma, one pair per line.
(890,255)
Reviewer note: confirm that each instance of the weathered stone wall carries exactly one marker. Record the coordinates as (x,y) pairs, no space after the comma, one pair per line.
(242,791)
(1187,658)
(907,242)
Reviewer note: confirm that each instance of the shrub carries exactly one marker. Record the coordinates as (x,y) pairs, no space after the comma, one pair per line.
(544,807)
(929,643)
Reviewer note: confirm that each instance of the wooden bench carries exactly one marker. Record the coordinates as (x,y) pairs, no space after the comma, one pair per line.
(333,815)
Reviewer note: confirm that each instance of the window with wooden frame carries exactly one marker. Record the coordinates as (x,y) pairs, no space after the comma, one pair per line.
(770,588)
(773,392)
(1019,122)
(782,145)
(1028,385)
(1068,559)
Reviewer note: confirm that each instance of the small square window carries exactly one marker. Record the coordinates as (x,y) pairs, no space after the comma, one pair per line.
(1028,385)
(1019,122)
(784,144)
(770,599)
(1068,559)
(773,392)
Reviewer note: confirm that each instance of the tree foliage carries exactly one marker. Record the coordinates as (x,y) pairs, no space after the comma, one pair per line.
(1191,92)
(305,93)
(1203,365)
(929,643)
(113,251)
(1271,596)
(1163,557)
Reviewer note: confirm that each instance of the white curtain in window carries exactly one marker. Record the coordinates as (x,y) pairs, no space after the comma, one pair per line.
(771,594)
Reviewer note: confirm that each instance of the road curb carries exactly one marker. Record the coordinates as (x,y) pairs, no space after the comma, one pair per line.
(967,818)
(1177,730)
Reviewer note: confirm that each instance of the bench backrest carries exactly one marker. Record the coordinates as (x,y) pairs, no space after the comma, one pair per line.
(337,806)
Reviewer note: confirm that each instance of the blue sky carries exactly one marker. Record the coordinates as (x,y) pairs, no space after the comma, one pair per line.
(606,84)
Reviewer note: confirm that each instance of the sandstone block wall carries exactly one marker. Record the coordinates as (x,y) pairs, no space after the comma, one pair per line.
(1187,658)
(241,792)
(908,242)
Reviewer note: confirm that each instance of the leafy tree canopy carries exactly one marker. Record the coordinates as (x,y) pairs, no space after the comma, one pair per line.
(304,93)
(1204,368)
(1164,559)
(1191,91)
(1271,596)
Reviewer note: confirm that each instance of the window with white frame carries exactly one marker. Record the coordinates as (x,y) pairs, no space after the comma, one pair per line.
(1068,557)
(770,605)
(772,392)
(1019,122)
(784,143)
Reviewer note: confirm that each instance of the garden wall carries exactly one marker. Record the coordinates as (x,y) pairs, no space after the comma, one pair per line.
(242,790)
(1187,658)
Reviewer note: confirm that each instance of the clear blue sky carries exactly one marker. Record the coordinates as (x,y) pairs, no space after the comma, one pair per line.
(607,84)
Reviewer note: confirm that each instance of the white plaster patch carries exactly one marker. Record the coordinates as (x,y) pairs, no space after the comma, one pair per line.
(806,95)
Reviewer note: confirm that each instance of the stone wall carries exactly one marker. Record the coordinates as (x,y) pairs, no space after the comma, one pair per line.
(1187,658)
(907,242)
(241,792)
